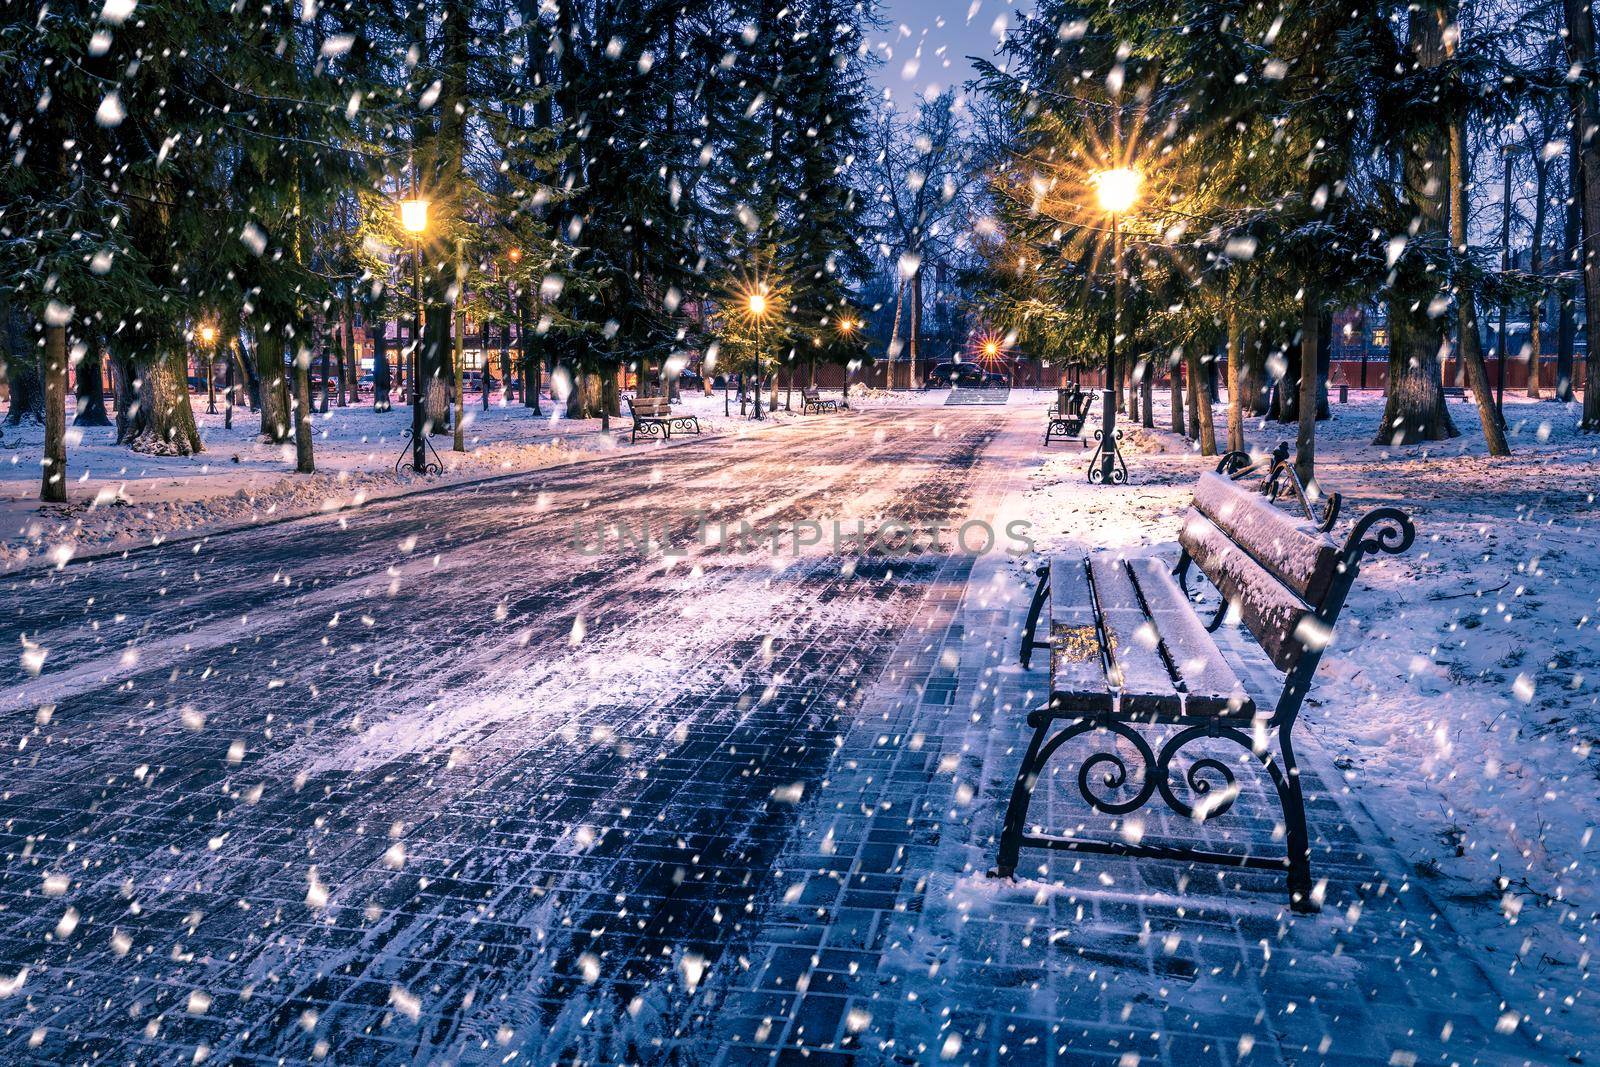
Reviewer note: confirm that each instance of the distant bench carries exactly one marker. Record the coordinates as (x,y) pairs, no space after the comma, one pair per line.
(1066,417)
(811,400)
(1127,646)
(653,416)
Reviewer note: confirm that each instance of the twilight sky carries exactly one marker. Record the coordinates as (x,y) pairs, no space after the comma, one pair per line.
(926,42)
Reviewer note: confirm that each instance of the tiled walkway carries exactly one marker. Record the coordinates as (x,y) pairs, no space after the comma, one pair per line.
(892,946)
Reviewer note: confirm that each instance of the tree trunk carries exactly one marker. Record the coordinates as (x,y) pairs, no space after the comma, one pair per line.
(458,439)
(1254,370)
(1175,386)
(1236,376)
(1470,347)
(274,386)
(1541,170)
(1567,321)
(382,381)
(304,461)
(89,382)
(893,350)
(1200,399)
(328,344)
(350,389)
(1147,389)
(27,388)
(1305,441)
(1286,394)
(1415,410)
(1134,365)
(53,475)
(164,421)
(916,328)
(1586,131)
(125,388)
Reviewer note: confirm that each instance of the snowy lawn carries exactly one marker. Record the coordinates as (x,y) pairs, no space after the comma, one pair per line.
(1461,698)
(120,498)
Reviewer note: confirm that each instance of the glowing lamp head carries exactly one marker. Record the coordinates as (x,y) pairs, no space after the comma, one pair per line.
(516,254)
(991,349)
(208,334)
(758,304)
(1117,189)
(414,215)
(847,325)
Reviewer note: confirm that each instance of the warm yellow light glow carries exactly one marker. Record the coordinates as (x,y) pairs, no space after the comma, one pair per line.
(758,304)
(414,215)
(208,334)
(846,325)
(1117,189)
(991,349)
(516,254)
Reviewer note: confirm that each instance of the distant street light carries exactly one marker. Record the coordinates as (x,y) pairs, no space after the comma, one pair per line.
(756,301)
(208,338)
(414,218)
(847,327)
(1117,190)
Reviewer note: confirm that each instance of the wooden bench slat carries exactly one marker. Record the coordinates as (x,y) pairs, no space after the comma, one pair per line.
(651,406)
(1076,665)
(1210,685)
(1302,556)
(1137,670)
(1271,610)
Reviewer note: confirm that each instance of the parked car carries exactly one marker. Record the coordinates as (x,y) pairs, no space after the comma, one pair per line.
(995,380)
(944,375)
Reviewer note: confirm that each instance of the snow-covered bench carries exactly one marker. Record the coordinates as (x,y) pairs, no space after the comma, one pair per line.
(811,400)
(1066,417)
(1128,647)
(653,416)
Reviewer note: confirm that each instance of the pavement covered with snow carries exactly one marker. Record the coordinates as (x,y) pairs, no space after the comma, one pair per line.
(457,776)
(120,498)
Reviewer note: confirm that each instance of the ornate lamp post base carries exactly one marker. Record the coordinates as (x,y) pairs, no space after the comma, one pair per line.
(1105,464)
(408,458)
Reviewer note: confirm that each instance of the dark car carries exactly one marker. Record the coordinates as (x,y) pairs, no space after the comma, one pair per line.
(995,380)
(966,375)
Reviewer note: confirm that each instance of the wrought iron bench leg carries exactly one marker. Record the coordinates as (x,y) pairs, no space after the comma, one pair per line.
(1021,797)
(1296,838)
(1040,592)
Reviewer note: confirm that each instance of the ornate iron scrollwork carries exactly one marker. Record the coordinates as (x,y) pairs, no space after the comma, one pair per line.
(1194,777)
(1118,470)
(1380,530)
(1117,777)
(429,467)
(1155,770)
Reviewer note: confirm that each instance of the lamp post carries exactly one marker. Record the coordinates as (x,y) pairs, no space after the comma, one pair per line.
(1117,190)
(757,303)
(208,338)
(414,217)
(847,327)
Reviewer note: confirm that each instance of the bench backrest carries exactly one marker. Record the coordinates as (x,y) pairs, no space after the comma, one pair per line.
(809,393)
(650,407)
(1275,570)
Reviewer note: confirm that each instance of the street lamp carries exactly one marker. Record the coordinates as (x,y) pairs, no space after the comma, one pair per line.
(1117,190)
(208,337)
(414,219)
(847,327)
(756,302)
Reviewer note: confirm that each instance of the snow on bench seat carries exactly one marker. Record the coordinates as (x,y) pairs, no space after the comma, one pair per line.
(1124,637)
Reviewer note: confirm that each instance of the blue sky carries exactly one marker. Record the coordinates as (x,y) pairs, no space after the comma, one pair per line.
(934,37)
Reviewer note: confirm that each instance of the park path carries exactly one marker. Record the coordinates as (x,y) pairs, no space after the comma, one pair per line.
(892,946)
(449,777)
